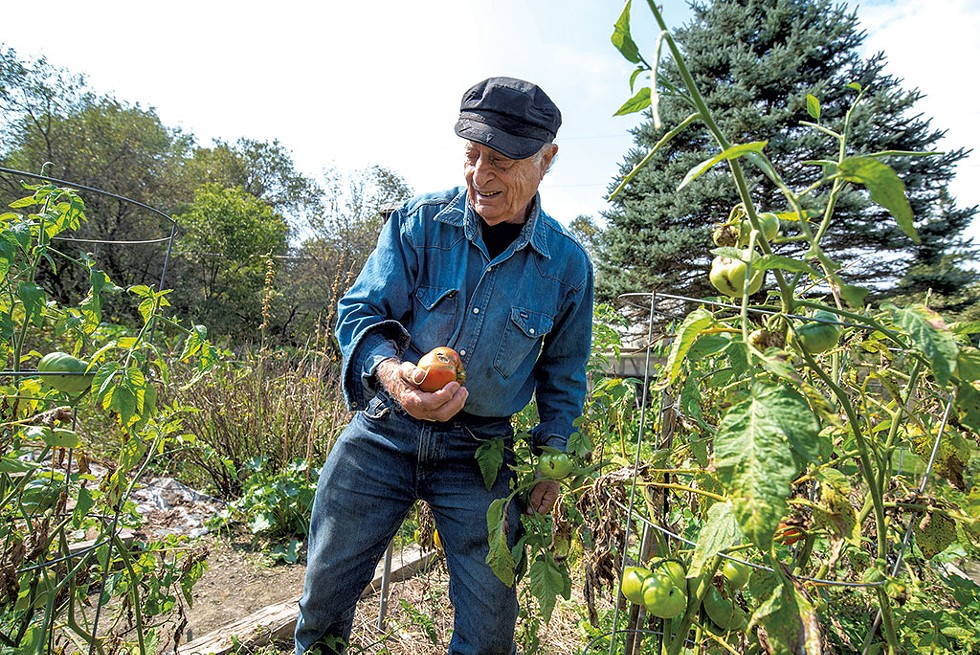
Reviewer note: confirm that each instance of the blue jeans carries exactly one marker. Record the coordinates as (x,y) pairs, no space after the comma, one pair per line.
(382,463)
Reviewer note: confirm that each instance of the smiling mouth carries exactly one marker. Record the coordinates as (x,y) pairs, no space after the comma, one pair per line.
(483,195)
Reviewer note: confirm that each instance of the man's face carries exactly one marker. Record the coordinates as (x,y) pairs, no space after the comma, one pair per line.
(502,189)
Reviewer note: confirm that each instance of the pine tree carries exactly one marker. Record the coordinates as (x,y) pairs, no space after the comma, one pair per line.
(755,62)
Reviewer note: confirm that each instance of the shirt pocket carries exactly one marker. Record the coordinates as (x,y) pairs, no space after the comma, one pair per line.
(435,317)
(521,340)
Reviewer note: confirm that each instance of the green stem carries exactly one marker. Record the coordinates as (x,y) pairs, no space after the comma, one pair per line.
(875,493)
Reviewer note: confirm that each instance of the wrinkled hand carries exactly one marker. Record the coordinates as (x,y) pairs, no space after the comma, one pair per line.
(396,377)
(543,497)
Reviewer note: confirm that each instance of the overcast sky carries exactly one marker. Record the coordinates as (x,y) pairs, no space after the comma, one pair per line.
(352,84)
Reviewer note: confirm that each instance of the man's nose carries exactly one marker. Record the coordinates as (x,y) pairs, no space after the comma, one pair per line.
(482,170)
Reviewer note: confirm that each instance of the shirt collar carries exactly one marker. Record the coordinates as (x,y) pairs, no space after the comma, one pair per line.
(460,212)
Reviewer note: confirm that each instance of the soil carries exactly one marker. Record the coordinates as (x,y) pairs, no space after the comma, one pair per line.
(418,619)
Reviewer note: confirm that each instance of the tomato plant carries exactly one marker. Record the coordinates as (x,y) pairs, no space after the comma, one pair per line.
(52,493)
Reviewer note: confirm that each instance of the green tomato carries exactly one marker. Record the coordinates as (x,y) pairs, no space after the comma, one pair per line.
(769,223)
(662,598)
(673,569)
(723,611)
(736,573)
(728,276)
(632,583)
(820,335)
(59,362)
(555,466)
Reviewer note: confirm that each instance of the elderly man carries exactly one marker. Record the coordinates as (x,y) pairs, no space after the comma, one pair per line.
(484,270)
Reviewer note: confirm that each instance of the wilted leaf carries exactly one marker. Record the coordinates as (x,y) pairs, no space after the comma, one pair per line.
(639,102)
(499,559)
(548,581)
(490,457)
(733,152)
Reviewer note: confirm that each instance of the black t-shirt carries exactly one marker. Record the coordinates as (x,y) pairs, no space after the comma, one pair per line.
(498,237)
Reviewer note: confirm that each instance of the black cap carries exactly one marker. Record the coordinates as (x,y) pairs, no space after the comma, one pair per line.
(511,116)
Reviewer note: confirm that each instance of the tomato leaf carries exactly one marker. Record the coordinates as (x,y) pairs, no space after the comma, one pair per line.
(790,621)
(490,457)
(194,341)
(547,581)
(767,262)
(719,532)
(621,37)
(690,329)
(967,403)
(33,298)
(754,451)
(639,102)
(733,152)
(499,559)
(885,187)
(813,107)
(931,337)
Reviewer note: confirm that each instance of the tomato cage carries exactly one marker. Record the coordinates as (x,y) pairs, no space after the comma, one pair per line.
(43,575)
(660,526)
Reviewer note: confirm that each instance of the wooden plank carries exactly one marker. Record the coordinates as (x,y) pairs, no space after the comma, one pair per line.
(278,621)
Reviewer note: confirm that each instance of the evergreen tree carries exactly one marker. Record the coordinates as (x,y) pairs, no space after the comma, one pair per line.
(755,62)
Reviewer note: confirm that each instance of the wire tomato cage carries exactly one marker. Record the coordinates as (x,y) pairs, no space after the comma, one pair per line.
(652,302)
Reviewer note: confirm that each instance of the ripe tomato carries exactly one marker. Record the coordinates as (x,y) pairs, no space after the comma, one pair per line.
(439,367)
(787,534)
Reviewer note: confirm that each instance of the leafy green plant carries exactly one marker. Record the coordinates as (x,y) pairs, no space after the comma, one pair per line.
(275,506)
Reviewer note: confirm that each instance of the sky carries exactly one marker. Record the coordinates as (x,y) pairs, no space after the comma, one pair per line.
(348,85)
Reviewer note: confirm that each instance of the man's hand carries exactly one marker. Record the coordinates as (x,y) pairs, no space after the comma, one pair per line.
(396,377)
(543,497)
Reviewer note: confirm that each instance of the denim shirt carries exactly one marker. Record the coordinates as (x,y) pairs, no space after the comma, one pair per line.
(521,323)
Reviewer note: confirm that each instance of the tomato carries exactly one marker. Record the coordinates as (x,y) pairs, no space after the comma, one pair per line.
(819,335)
(728,276)
(723,611)
(736,573)
(673,569)
(788,534)
(662,597)
(439,367)
(725,235)
(59,362)
(555,465)
(632,583)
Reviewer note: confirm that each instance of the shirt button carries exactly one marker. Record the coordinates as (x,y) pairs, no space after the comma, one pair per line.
(462,352)
(531,330)
(476,310)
